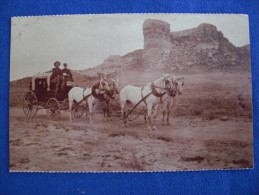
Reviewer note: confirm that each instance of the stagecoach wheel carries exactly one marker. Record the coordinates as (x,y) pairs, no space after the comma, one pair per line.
(30,104)
(53,109)
(79,111)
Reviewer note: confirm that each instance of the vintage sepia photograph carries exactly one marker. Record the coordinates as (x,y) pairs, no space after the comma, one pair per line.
(130,92)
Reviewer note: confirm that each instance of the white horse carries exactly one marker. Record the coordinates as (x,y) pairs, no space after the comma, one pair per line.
(77,94)
(150,94)
(170,99)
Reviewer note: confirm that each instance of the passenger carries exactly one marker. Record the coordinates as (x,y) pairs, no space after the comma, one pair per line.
(56,76)
(66,73)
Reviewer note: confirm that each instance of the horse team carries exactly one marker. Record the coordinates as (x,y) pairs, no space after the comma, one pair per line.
(163,91)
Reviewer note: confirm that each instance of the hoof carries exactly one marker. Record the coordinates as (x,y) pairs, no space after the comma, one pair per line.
(168,123)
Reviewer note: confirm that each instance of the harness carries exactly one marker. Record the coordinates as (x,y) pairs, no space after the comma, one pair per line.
(110,94)
(94,87)
(155,93)
(173,93)
(84,98)
(94,94)
(143,99)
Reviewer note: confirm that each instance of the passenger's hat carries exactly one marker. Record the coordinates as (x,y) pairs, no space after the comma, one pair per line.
(57,63)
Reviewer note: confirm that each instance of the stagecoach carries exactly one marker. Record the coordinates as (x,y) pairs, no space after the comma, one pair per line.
(53,101)
(40,96)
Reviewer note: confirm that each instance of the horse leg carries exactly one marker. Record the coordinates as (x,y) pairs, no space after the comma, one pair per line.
(70,108)
(149,110)
(171,109)
(167,119)
(104,112)
(123,104)
(154,110)
(145,117)
(70,117)
(86,110)
(126,110)
(90,105)
(163,117)
(108,111)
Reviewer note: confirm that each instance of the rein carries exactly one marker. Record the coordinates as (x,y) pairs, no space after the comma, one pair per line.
(94,87)
(154,91)
(143,99)
(84,92)
(84,97)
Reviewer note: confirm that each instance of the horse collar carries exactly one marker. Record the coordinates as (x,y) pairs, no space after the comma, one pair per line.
(154,91)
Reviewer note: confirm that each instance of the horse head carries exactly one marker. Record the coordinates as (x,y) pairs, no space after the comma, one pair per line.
(181,84)
(178,85)
(113,88)
(114,85)
(161,83)
(104,84)
(169,86)
(174,85)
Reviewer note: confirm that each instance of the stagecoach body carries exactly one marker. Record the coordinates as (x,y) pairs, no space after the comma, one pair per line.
(42,98)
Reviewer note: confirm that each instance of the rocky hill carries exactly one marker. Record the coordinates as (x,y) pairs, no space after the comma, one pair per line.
(203,48)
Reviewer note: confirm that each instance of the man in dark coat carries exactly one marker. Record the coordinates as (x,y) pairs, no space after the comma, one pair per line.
(66,73)
(56,74)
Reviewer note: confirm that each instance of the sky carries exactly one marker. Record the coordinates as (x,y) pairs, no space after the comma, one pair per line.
(84,41)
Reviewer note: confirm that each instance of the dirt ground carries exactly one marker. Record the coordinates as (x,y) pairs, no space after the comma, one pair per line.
(187,144)
(211,129)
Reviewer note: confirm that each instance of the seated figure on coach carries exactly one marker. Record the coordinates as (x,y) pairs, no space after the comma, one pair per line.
(55,76)
(66,73)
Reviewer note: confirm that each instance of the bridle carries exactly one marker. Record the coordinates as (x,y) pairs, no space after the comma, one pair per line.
(113,89)
(157,94)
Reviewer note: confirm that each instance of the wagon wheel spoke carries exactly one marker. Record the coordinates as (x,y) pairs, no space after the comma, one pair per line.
(53,109)
(30,104)
(27,110)
(79,111)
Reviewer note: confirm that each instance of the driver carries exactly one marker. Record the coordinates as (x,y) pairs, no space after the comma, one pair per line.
(56,75)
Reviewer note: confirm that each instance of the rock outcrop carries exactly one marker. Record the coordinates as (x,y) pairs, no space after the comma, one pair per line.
(198,49)
(201,48)
(156,34)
